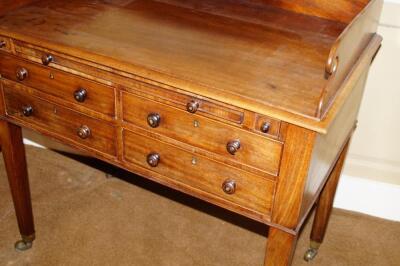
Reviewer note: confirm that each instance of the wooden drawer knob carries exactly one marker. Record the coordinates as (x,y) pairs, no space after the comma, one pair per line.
(192,107)
(265,127)
(2,44)
(84,132)
(47,59)
(22,74)
(229,186)
(153,120)
(153,159)
(233,146)
(80,95)
(27,110)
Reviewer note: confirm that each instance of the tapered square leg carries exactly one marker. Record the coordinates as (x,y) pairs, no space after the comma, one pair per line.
(280,248)
(324,207)
(14,158)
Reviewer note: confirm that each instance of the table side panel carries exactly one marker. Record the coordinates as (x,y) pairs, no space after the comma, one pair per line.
(328,147)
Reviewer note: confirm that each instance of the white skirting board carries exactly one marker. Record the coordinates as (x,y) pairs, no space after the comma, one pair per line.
(359,195)
(369,197)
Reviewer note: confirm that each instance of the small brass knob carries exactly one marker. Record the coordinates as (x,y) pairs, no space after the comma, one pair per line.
(80,95)
(2,44)
(153,159)
(265,127)
(229,186)
(233,146)
(153,120)
(27,110)
(84,132)
(47,59)
(192,106)
(22,74)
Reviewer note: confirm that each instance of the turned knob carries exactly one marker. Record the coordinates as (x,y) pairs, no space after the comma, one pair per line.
(153,120)
(2,44)
(265,127)
(153,159)
(192,106)
(80,95)
(47,59)
(22,74)
(229,187)
(84,132)
(27,110)
(233,146)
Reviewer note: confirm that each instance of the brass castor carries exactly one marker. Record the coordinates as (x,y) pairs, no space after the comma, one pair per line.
(312,252)
(25,243)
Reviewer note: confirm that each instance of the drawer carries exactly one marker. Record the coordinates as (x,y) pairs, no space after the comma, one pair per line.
(71,88)
(213,109)
(189,103)
(5,44)
(254,151)
(83,130)
(247,190)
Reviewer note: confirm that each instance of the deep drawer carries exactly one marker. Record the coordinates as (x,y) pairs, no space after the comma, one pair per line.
(79,128)
(71,88)
(250,191)
(255,151)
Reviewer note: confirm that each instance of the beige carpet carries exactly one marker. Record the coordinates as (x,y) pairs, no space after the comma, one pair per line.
(84,218)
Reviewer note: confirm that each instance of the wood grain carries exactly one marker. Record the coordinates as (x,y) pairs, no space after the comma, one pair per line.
(99,98)
(280,248)
(252,192)
(209,135)
(293,174)
(60,120)
(8,5)
(14,159)
(325,201)
(192,51)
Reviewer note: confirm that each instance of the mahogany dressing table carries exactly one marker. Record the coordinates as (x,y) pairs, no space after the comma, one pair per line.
(249,105)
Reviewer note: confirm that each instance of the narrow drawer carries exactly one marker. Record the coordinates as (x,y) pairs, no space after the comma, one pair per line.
(247,190)
(71,88)
(254,150)
(81,129)
(190,103)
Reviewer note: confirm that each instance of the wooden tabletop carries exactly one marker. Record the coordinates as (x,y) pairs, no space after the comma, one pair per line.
(266,56)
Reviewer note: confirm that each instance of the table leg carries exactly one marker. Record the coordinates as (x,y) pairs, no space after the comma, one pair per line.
(324,207)
(14,158)
(280,248)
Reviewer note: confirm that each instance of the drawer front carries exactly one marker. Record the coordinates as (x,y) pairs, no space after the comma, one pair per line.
(189,103)
(5,44)
(255,150)
(251,191)
(212,109)
(81,129)
(89,94)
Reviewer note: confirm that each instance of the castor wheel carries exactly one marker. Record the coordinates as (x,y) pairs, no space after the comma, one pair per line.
(24,244)
(312,252)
